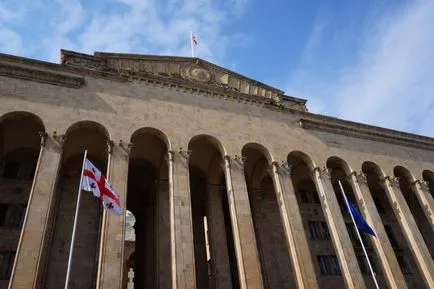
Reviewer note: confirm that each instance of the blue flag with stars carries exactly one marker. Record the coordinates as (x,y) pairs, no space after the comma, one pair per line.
(360,222)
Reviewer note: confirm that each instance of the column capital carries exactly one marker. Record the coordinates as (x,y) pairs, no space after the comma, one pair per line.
(360,177)
(283,169)
(238,161)
(126,147)
(59,139)
(185,153)
(424,185)
(324,173)
(44,136)
(393,181)
(110,145)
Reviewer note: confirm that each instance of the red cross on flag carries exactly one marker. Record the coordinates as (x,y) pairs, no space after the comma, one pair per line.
(95,182)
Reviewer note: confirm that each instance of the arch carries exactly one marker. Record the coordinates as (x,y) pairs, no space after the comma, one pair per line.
(428,175)
(401,171)
(212,140)
(22,114)
(155,132)
(337,162)
(371,167)
(296,157)
(262,149)
(88,124)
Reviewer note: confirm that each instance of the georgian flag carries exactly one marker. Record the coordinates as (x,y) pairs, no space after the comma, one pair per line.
(95,182)
(193,38)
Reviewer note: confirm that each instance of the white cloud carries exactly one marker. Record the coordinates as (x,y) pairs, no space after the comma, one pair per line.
(126,26)
(10,41)
(391,83)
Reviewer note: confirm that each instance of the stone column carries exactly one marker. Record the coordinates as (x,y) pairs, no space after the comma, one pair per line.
(409,227)
(221,271)
(335,221)
(386,255)
(181,223)
(293,226)
(421,189)
(249,268)
(30,251)
(110,268)
(163,231)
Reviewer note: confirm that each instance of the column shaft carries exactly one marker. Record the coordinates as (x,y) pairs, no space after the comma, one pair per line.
(421,189)
(221,272)
(30,249)
(163,231)
(110,269)
(411,232)
(183,270)
(386,255)
(335,221)
(242,225)
(293,226)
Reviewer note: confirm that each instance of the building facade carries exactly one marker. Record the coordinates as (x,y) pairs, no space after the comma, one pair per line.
(228,182)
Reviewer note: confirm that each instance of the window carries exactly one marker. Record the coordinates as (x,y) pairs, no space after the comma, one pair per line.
(11,170)
(319,231)
(391,236)
(12,215)
(328,265)
(364,266)
(403,264)
(309,197)
(6,263)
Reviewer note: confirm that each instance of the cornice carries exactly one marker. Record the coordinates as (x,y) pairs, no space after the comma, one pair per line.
(69,76)
(43,76)
(364,131)
(106,55)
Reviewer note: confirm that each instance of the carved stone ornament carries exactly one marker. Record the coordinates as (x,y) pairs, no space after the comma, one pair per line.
(126,147)
(361,177)
(44,136)
(60,139)
(324,173)
(423,184)
(393,181)
(197,73)
(283,169)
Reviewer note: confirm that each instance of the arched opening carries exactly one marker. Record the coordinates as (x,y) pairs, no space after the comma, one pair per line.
(214,250)
(339,170)
(81,136)
(273,250)
(428,176)
(148,200)
(391,225)
(19,152)
(318,235)
(407,189)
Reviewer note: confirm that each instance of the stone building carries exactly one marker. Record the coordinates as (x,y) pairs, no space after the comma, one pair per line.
(228,182)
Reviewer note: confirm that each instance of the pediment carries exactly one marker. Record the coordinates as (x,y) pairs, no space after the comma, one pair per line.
(193,70)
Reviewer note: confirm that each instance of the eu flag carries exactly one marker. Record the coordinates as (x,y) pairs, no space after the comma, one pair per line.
(360,222)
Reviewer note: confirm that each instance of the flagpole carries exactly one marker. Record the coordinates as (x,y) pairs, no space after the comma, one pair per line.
(191,44)
(71,250)
(358,235)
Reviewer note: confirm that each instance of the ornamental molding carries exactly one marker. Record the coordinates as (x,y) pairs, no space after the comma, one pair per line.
(42,76)
(199,77)
(363,131)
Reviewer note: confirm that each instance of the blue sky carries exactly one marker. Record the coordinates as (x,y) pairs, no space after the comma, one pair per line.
(370,61)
